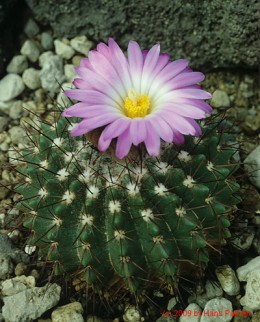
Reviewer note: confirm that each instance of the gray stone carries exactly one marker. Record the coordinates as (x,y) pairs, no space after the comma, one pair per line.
(18,135)
(93,318)
(228,280)
(30,50)
(31,303)
(213,289)
(81,44)
(192,313)
(220,99)
(208,33)
(63,50)
(252,297)
(132,314)
(31,28)
(69,71)
(244,239)
(46,41)
(17,284)
(52,74)
(17,65)
(14,253)
(4,120)
(252,166)
(31,78)
(6,266)
(67,313)
(44,57)
(216,310)
(11,86)
(244,271)
(62,99)
(16,109)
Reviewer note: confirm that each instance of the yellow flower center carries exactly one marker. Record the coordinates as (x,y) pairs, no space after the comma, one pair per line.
(136,105)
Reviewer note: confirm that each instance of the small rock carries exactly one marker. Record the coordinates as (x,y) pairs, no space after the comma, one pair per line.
(17,284)
(81,44)
(67,313)
(76,60)
(11,86)
(241,316)
(220,99)
(44,57)
(228,280)
(244,239)
(256,316)
(252,297)
(192,313)
(69,71)
(62,99)
(17,65)
(30,106)
(31,78)
(62,50)
(200,299)
(213,290)
(52,74)
(46,41)
(252,166)
(20,269)
(93,318)
(18,135)
(216,310)
(244,271)
(6,266)
(171,304)
(30,50)
(4,120)
(14,253)
(132,314)
(31,303)
(16,109)
(31,28)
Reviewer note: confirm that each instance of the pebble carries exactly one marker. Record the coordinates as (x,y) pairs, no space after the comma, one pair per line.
(30,303)
(31,28)
(217,306)
(30,50)
(16,254)
(171,304)
(256,316)
(252,297)
(4,120)
(69,71)
(63,50)
(244,271)
(62,99)
(213,289)
(46,41)
(18,135)
(132,314)
(67,313)
(228,280)
(252,166)
(31,78)
(44,57)
(93,318)
(6,266)
(220,99)
(52,74)
(17,65)
(195,311)
(20,269)
(17,284)
(81,44)
(76,60)
(11,86)
(244,239)
(16,109)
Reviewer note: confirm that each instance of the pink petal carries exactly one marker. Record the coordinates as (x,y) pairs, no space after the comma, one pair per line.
(178,138)
(102,144)
(187,93)
(194,102)
(123,145)
(152,141)
(116,128)
(135,59)
(178,123)
(185,110)
(138,130)
(172,69)
(186,79)
(160,127)
(89,96)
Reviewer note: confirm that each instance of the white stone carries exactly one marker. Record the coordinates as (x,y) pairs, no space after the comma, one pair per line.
(213,289)
(31,303)
(244,271)
(62,99)
(11,86)
(252,166)
(46,41)
(17,284)
(244,239)
(192,313)
(172,302)
(220,99)
(93,318)
(17,65)
(81,44)
(252,297)
(216,311)
(63,50)
(52,74)
(31,78)
(18,135)
(30,50)
(44,57)
(132,314)
(68,313)
(69,71)
(16,109)
(6,266)
(228,280)
(31,28)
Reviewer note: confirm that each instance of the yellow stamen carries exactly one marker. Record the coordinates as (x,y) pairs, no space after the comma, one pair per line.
(136,105)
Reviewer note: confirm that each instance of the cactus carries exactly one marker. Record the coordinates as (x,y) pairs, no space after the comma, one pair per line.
(137,219)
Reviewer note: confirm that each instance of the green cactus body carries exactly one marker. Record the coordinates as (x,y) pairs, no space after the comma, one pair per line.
(99,217)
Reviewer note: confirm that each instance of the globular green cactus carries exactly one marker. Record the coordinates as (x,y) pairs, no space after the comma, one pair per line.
(137,219)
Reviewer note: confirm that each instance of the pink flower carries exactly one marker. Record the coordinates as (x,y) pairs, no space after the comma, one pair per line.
(144,97)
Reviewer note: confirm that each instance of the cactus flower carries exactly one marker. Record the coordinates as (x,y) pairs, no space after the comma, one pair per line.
(143,97)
